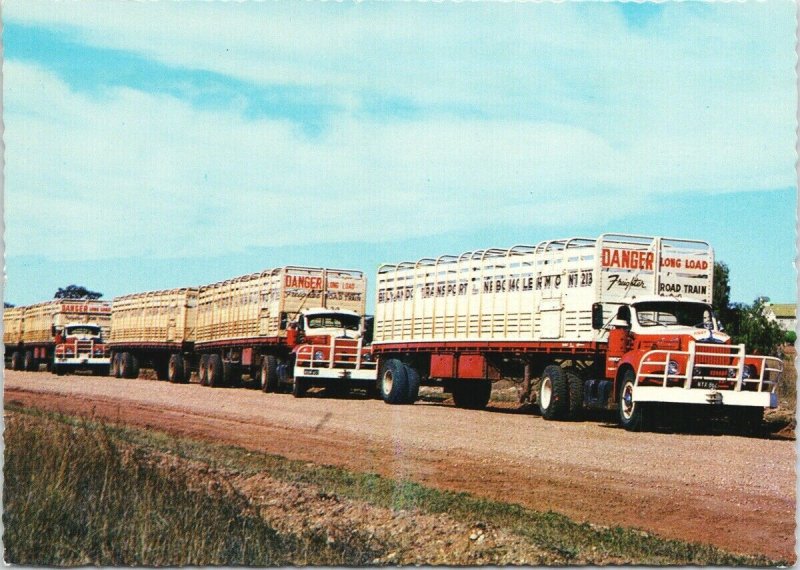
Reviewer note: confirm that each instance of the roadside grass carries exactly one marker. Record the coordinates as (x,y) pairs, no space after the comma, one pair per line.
(76,494)
(564,541)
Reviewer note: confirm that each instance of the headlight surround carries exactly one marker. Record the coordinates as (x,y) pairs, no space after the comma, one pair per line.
(673,368)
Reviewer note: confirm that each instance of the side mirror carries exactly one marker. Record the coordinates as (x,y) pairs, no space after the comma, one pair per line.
(597,316)
(284,321)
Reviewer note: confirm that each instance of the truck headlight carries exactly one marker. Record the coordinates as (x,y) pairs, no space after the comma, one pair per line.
(749,371)
(367,357)
(318,355)
(672,368)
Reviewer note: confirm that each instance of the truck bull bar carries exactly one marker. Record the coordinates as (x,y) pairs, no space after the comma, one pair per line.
(708,374)
(341,358)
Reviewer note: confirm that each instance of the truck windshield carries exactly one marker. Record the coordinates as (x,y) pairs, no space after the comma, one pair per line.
(83,331)
(679,314)
(334,321)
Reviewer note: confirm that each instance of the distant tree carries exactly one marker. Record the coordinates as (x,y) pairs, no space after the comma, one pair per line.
(721,300)
(76,292)
(7,305)
(722,289)
(751,326)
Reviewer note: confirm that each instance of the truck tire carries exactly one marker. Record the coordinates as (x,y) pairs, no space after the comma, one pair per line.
(202,371)
(30,364)
(124,364)
(269,374)
(130,365)
(59,370)
(16,361)
(300,386)
(214,371)
(554,393)
(115,365)
(413,384)
(575,385)
(394,382)
(175,372)
(472,394)
(631,414)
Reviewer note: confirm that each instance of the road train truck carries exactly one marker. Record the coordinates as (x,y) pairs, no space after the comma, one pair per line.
(63,334)
(290,326)
(618,321)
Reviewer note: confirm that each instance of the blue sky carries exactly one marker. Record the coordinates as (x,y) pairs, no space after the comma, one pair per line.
(155,145)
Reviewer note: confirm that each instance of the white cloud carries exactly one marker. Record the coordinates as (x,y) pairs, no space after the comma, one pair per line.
(572,116)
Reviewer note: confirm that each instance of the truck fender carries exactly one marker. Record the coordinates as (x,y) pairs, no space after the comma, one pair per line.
(627,363)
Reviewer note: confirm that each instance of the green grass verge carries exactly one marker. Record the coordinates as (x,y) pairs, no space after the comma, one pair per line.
(564,540)
(75,496)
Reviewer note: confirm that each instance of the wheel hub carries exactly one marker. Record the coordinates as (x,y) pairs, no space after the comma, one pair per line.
(546,392)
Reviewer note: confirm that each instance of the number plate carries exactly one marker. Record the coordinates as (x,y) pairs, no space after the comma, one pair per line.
(705,384)
(310,372)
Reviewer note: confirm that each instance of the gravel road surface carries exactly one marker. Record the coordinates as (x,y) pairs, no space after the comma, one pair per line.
(734,492)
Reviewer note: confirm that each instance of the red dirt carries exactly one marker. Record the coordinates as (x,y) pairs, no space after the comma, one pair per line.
(734,492)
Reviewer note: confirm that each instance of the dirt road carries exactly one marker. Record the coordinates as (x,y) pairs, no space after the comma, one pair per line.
(730,491)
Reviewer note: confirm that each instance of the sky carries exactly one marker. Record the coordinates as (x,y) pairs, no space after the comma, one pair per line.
(151,145)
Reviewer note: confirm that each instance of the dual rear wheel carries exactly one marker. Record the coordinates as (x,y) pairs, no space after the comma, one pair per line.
(399,382)
(561,393)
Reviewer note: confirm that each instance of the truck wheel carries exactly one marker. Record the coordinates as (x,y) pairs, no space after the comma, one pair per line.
(130,365)
(115,365)
(30,363)
(123,365)
(269,374)
(16,361)
(214,371)
(394,382)
(630,412)
(554,393)
(202,372)
(175,369)
(413,383)
(58,370)
(300,387)
(472,394)
(575,385)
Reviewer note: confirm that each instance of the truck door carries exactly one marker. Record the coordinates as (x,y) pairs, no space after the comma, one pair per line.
(550,306)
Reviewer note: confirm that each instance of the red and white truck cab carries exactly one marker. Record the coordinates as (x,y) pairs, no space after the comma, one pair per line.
(671,350)
(330,350)
(80,346)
